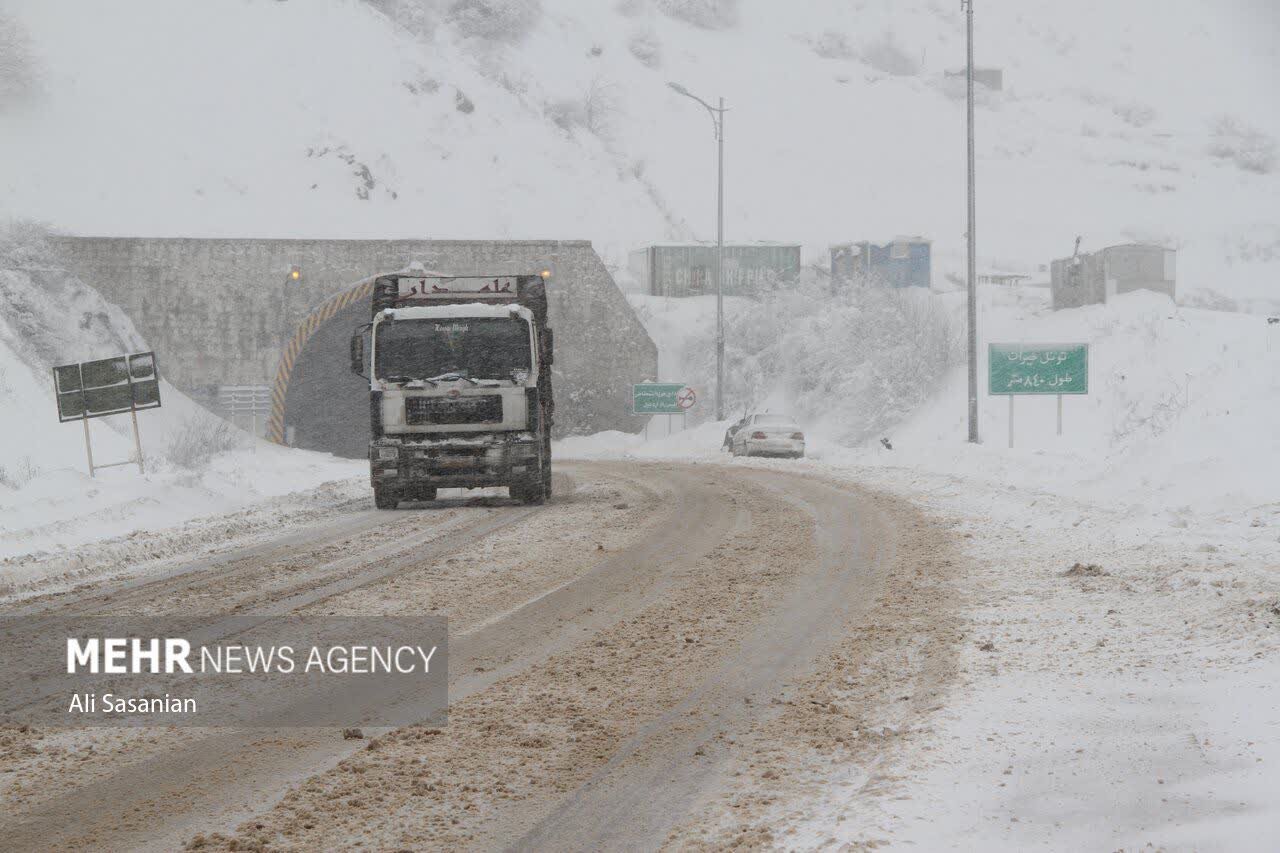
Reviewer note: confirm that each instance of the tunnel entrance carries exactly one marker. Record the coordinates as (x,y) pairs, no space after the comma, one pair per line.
(326,406)
(317,403)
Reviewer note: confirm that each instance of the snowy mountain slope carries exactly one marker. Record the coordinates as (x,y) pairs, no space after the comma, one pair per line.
(517,118)
(284,119)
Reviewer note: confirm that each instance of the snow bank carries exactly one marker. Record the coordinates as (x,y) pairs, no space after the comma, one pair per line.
(1180,414)
(694,443)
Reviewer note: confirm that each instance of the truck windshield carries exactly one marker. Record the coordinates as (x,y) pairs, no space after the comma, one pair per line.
(475,348)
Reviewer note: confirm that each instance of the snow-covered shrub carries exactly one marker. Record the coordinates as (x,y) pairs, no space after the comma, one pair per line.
(884,54)
(19,474)
(645,47)
(631,8)
(708,14)
(23,244)
(495,20)
(1134,113)
(855,363)
(198,439)
(1247,147)
(594,111)
(417,16)
(834,44)
(18,77)
(565,113)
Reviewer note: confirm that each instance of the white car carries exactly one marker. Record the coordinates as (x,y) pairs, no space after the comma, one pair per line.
(769,435)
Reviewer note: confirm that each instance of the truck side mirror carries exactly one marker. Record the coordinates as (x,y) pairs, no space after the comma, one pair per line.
(549,354)
(357,350)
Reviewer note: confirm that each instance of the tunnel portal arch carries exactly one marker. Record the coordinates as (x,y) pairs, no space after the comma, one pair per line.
(314,376)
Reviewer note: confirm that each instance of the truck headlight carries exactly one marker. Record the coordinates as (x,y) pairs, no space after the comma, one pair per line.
(387,453)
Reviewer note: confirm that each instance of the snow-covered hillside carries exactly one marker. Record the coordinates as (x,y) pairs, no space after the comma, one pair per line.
(1180,414)
(1179,417)
(196,465)
(520,118)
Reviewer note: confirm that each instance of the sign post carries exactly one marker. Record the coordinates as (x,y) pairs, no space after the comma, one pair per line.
(1010,421)
(88,447)
(1037,369)
(662,398)
(110,386)
(137,440)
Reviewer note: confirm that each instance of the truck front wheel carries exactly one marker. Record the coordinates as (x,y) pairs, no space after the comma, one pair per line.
(528,491)
(385,497)
(546,468)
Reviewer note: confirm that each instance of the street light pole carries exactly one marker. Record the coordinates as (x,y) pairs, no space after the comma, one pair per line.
(720,267)
(973,279)
(717,119)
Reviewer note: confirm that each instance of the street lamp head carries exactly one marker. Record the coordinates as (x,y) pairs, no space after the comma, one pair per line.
(677,87)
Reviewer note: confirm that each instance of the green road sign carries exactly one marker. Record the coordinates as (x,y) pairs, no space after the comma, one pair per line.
(658,398)
(1038,369)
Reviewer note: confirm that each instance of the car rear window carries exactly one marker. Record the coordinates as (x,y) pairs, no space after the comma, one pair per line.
(774,420)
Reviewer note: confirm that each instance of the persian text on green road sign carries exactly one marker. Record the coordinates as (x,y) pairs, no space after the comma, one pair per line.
(1038,368)
(661,398)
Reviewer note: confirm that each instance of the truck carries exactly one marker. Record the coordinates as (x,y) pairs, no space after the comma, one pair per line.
(459,371)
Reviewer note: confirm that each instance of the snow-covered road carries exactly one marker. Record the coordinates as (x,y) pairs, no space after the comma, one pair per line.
(702,652)
(634,632)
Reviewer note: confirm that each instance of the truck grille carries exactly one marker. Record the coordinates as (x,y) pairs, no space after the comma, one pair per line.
(486,409)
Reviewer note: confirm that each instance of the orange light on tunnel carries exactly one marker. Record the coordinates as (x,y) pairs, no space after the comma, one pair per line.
(295,273)
(545,274)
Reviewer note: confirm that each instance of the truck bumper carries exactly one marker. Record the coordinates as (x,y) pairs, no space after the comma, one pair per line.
(493,460)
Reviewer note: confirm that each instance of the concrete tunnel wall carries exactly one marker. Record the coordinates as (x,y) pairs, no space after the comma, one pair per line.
(221,312)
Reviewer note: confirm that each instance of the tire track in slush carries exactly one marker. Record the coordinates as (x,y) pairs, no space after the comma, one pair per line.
(223,754)
(153,803)
(652,781)
(610,742)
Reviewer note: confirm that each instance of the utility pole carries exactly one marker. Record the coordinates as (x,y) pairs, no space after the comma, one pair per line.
(967,5)
(717,119)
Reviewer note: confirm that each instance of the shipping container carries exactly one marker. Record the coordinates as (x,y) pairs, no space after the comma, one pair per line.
(903,262)
(690,270)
